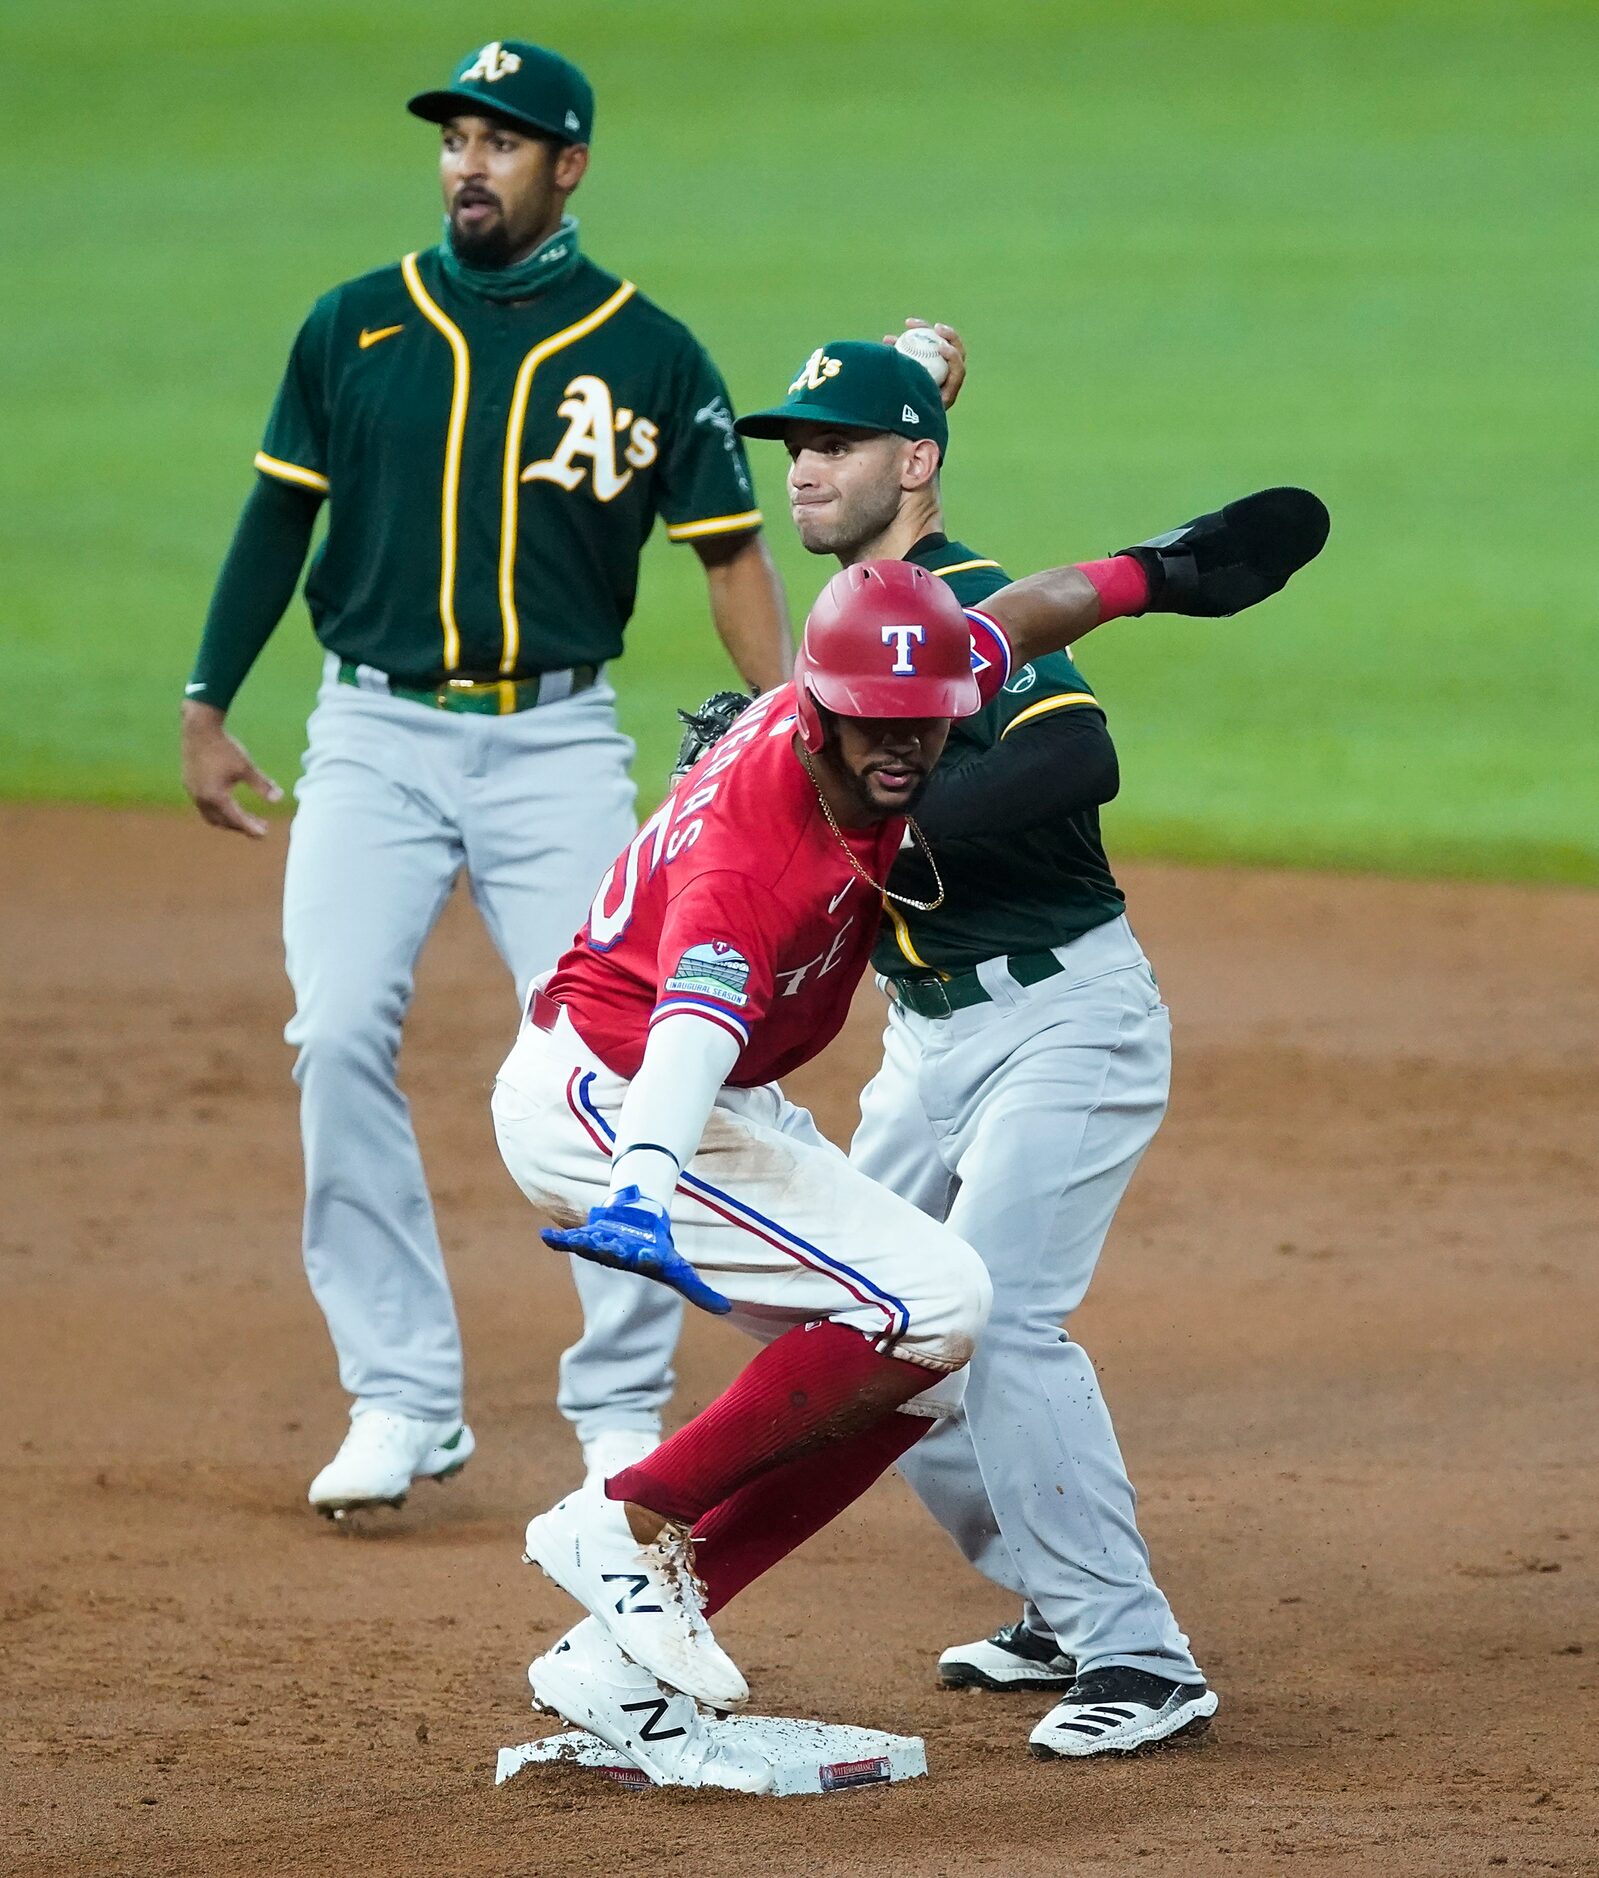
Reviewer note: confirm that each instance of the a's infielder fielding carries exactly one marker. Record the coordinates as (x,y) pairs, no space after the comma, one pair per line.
(495,425)
(639,1108)
(1025,1070)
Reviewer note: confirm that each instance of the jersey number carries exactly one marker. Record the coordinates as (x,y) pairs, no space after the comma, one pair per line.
(608,921)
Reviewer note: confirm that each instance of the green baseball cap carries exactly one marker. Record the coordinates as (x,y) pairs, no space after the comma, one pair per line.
(524,83)
(857,384)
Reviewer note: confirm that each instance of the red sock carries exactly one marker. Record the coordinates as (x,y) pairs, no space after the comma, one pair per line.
(762,1523)
(813,1387)
(1122,586)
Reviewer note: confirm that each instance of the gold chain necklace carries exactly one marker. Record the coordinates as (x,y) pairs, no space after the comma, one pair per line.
(904,899)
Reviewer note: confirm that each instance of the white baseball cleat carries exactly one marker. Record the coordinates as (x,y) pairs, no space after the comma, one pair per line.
(646,1596)
(587,1679)
(380,1457)
(1013,1658)
(1121,1711)
(612,1449)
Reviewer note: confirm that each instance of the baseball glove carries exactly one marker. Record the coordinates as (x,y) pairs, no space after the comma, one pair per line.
(707,726)
(1241,554)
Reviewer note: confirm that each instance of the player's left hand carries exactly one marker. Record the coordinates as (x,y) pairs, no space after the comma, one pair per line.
(1235,557)
(954,350)
(632,1234)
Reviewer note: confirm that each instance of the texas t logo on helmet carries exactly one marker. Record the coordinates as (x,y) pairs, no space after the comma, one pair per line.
(879,606)
(902,638)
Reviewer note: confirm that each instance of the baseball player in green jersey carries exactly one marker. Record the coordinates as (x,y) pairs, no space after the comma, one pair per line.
(1026,1061)
(495,425)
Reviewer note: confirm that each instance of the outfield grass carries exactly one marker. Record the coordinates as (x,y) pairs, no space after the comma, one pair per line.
(1195,248)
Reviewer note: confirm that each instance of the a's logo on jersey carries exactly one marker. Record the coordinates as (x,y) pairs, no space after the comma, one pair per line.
(713,969)
(816,371)
(717,414)
(492,64)
(593,425)
(902,638)
(1024,680)
(720,417)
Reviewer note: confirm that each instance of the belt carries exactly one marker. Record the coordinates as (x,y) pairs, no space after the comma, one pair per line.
(934,996)
(488,697)
(543,1013)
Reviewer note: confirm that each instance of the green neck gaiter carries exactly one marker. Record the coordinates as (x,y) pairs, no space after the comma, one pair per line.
(549,264)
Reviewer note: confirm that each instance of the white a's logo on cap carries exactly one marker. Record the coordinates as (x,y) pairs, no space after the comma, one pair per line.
(816,371)
(492,64)
(902,638)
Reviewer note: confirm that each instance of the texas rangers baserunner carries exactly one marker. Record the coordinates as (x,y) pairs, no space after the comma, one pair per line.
(1026,1066)
(638,1107)
(495,425)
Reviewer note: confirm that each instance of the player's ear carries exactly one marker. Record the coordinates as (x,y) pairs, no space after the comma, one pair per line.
(920,466)
(570,165)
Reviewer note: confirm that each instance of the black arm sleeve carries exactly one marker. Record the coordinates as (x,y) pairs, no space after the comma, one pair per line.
(255,586)
(1051,768)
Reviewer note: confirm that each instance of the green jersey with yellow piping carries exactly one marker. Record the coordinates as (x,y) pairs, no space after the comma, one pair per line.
(1012,891)
(493,470)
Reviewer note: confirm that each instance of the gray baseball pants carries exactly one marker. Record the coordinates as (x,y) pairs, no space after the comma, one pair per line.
(1020,1121)
(396,800)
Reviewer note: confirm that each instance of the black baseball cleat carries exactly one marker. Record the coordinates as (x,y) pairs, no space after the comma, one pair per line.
(1237,556)
(1121,1711)
(1013,1658)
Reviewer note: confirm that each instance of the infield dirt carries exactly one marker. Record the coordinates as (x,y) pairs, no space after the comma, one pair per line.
(1346,1324)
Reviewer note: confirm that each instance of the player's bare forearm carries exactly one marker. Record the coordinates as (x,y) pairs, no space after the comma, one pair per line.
(1045,612)
(748,608)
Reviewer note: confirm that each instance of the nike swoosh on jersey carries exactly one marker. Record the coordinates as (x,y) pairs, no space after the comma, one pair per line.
(369,337)
(190,690)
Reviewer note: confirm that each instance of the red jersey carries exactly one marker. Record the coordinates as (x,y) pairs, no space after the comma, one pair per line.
(738,902)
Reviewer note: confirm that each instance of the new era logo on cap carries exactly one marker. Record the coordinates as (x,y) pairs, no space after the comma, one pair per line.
(908,416)
(573,121)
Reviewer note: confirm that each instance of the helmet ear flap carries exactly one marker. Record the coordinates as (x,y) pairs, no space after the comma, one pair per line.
(810,723)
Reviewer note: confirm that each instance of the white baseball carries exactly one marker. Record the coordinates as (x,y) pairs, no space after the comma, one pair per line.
(923,345)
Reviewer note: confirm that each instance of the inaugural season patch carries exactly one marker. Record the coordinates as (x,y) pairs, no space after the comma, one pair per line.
(714,970)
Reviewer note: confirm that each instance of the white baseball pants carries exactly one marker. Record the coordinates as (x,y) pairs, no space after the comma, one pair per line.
(397,800)
(768,1211)
(1020,1121)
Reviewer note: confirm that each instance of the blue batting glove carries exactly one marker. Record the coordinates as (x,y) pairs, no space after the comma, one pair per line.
(632,1234)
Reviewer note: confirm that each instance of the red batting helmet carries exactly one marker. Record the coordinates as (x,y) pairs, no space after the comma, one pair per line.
(884,639)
